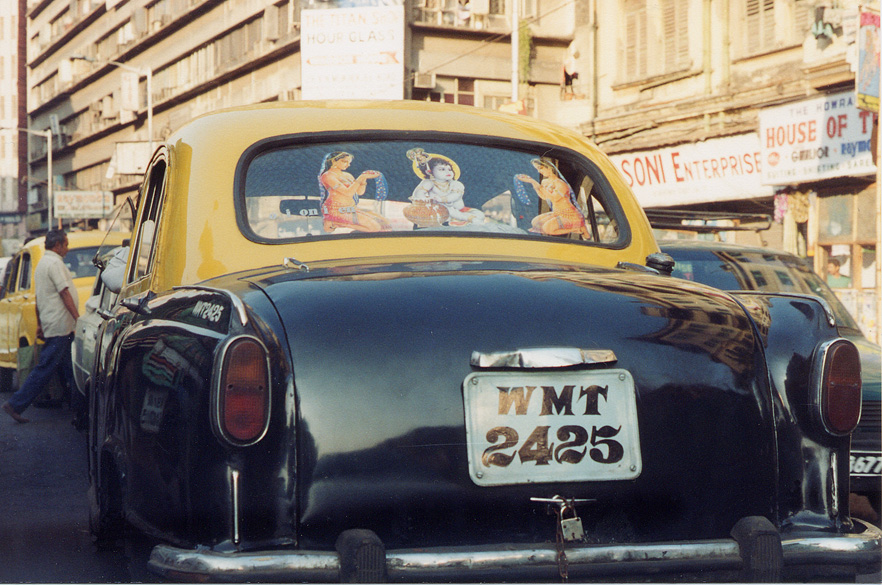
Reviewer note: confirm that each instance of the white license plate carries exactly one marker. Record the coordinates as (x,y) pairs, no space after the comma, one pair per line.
(542,427)
(866,465)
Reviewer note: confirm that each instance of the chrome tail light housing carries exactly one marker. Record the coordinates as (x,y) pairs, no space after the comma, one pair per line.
(241,394)
(836,382)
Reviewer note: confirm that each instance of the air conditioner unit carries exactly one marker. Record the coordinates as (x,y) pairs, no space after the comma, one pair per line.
(424,81)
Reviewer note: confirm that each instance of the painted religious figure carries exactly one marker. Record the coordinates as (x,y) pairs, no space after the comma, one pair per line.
(565,216)
(440,185)
(340,192)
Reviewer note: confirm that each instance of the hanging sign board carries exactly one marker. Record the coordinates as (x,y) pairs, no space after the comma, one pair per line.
(822,138)
(867,78)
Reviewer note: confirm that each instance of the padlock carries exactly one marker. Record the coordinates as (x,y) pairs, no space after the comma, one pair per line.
(571,528)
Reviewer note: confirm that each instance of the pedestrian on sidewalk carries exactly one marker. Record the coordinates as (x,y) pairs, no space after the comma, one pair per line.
(57,314)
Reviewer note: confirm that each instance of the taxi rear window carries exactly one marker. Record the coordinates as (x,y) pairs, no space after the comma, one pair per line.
(290,191)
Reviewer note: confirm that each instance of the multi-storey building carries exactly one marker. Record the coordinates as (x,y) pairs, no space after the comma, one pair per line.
(743,106)
(90,63)
(13,115)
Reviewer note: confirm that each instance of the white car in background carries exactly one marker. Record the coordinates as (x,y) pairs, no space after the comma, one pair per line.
(99,303)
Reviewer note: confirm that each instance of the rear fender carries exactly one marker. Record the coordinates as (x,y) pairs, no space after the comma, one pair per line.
(813,481)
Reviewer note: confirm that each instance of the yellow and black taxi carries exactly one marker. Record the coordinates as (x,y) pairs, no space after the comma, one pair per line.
(414,342)
(18,316)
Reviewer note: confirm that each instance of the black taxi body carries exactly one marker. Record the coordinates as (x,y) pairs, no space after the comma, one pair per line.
(736,267)
(368,341)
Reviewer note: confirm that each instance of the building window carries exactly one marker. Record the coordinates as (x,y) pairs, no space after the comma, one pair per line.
(847,252)
(636,39)
(449,91)
(760,25)
(675,35)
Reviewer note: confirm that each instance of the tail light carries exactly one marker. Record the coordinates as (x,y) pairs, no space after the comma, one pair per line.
(243,394)
(840,387)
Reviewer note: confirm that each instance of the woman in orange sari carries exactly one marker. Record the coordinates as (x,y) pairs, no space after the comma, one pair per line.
(565,216)
(340,192)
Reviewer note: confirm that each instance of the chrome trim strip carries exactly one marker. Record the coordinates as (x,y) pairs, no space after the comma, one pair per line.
(834,485)
(831,318)
(237,303)
(234,492)
(542,357)
(468,562)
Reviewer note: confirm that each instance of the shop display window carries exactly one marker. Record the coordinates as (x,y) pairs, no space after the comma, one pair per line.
(847,253)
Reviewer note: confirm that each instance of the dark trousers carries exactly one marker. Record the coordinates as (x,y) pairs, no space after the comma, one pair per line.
(54,356)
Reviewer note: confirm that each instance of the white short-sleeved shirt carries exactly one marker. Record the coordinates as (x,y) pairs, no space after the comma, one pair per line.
(50,278)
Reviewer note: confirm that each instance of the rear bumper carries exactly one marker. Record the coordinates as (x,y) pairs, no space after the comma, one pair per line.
(857,553)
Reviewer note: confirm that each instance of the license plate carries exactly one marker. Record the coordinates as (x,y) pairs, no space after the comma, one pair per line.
(865,464)
(541,427)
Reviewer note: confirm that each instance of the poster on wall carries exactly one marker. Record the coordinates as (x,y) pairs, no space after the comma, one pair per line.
(352,49)
(867,77)
(720,169)
(821,138)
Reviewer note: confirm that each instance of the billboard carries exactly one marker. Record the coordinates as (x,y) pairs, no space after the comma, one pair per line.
(820,138)
(352,49)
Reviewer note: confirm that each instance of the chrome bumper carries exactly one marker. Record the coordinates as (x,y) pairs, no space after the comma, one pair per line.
(860,553)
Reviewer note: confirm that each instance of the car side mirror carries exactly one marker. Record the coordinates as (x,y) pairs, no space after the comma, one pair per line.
(661,262)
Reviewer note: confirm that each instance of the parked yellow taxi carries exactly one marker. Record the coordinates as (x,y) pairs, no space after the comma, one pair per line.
(368,341)
(18,318)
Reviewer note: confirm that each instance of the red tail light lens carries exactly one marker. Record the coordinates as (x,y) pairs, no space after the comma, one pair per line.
(244,392)
(841,388)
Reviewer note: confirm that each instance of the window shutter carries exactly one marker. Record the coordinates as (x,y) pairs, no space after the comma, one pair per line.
(635,39)
(676,34)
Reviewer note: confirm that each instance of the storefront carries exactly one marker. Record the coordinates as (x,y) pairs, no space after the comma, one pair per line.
(810,165)
(818,155)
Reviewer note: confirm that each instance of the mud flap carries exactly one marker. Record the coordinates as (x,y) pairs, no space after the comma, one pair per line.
(761,550)
(362,557)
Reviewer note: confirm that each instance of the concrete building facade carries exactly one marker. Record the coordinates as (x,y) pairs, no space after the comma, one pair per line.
(13,115)
(90,63)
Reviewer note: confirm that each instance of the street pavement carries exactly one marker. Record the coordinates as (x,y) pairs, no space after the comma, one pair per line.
(44,517)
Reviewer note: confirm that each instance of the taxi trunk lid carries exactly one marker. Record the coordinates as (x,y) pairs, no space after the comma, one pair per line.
(384,436)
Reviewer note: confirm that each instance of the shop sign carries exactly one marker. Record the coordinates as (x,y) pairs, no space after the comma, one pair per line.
(720,169)
(352,49)
(821,138)
(82,204)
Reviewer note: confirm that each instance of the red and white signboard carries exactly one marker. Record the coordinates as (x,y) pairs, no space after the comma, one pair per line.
(820,138)
(721,169)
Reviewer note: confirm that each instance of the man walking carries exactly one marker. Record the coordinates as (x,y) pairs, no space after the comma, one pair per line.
(57,314)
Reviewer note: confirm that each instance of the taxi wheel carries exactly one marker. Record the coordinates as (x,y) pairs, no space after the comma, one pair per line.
(106,520)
